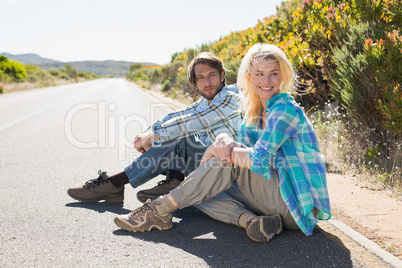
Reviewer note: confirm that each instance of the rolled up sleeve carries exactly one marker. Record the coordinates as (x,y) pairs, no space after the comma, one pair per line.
(197,118)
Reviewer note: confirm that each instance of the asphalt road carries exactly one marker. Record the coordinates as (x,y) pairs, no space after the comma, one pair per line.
(54,138)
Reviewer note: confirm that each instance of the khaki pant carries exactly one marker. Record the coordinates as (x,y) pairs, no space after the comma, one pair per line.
(224,192)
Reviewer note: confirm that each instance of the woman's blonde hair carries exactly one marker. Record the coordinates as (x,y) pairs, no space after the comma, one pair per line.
(251,104)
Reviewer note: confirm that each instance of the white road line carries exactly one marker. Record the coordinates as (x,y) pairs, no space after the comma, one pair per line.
(41,111)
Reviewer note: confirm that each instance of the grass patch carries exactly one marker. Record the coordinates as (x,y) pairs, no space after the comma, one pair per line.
(347,149)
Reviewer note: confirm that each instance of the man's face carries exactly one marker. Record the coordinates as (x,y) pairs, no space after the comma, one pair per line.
(208,80)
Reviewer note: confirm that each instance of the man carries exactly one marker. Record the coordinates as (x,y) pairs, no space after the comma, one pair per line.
(175,144)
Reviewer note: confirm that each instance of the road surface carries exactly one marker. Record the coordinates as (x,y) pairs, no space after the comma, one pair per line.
(54,138)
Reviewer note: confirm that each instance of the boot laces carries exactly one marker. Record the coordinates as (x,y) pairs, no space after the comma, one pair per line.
(97,182)
(141,210)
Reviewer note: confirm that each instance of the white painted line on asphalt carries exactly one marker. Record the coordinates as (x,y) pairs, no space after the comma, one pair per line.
(366,243)
(42,110)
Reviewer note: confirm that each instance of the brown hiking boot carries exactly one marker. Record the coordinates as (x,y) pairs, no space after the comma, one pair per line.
(96,190)
(264,228)
(145,218)
(163,187)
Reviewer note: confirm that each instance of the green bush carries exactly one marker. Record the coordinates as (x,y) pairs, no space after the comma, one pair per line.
(13,70)
(367,83)
(139,72)
(84,75)
(54,72)
(71,72)
(64,75)
(3,75)
(167,83)
(33,73)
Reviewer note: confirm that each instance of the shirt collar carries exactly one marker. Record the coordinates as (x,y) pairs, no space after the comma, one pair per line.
(282,96)
(204,101)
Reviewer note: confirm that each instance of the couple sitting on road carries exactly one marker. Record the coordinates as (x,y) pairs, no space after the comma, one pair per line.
(262,175)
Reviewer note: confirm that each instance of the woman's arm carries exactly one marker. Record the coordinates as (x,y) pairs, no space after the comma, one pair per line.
(227,150)
(240,157)
(221,149)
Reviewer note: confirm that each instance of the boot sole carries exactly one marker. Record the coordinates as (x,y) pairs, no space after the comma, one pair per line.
(114,198)
(143,197)
(262,231)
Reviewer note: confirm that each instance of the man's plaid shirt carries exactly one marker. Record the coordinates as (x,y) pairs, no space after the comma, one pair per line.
(207,120)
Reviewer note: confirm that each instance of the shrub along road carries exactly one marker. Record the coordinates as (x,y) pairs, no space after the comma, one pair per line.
(54,138)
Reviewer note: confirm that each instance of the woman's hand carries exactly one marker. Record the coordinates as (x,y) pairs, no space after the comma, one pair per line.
(221,149)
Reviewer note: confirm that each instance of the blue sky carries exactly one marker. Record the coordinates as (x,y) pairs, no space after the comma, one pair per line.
(130,30)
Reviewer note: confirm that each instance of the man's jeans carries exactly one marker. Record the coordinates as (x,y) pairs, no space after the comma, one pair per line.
(183,155)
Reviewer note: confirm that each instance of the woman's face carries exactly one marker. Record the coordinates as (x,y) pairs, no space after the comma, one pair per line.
(265,78)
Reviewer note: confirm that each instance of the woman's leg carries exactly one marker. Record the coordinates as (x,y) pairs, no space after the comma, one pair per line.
(207,181)
(261,196)
(223,207)
(250,193)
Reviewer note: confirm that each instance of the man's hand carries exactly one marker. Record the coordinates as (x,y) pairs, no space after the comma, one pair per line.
(137,144)
(144,142)
(221,149)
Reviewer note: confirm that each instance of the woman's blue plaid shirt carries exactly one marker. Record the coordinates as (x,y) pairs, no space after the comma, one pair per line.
(289,144)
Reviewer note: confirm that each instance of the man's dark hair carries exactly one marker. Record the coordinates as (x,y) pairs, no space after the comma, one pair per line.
(205,58)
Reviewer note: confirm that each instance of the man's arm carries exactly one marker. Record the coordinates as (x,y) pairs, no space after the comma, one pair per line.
(201,118)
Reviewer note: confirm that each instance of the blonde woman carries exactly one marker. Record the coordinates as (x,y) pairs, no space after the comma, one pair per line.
(275,161)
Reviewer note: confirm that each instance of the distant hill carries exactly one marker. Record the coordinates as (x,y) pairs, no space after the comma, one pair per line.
(104,68)
(29,58)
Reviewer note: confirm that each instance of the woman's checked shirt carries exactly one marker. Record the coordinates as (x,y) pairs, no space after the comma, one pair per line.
(289,144)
